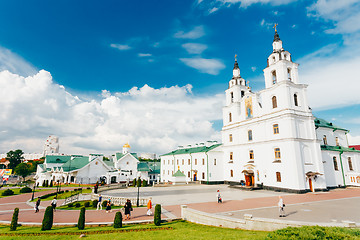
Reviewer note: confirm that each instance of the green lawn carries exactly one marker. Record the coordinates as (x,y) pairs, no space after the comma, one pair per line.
(65,195)
(17,191)
(173,230)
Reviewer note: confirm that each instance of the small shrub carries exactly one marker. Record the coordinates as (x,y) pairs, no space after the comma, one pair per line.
(51,183)
(8,192)
(87,204)
(134,182)
(77,204)
(43,184)
(48,219)
(157,215)
(118,220)
(94,203)
(70,205)
(25,190)
(104,203)
(144,183)
(88,188)
(81,222)
(14,220)
(66,190)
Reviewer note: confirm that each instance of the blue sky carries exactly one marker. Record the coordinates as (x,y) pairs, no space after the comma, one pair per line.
(99,50)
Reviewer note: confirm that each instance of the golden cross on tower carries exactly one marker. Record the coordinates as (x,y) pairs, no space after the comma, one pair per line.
(275,25)
(235,57)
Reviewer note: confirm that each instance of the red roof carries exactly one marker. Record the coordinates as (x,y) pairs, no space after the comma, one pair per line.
(3,160)
(357,147)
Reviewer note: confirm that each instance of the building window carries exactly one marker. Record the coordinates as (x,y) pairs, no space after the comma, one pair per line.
(232,96)
(231,156)
(172,173)
(203,161)
(273,77)
(296,100)
(164,172)
(172,162)
(230,138)
(278,176)
(188,174)
(177,162)
(195,161)
(325,140)
(168,162)
(168,172)
(231,173)
(214,161)
(335,164)
(288,72)
(182,162)
(230,118)
(274,102)
(350,164)
(203,175)
(164,162)
(276,128)
(188,161)
(242,93)
(251,154)
(337,141)
(250,137)
(277,153)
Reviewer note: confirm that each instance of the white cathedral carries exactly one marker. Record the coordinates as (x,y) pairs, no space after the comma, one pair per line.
(270,138)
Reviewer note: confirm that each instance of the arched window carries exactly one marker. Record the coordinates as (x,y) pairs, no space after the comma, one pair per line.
(231,173)
(251,154)
(230,138)
(214,161)
(276,128)
(250,135)
(231,156)
(278,176)
(274,102)
(232,96)
(335,164)
(230,117)
(274,77)
(242,93)
(350,164)
(277,153)
(296,100)
(289,73)
(325,140)
(337,141)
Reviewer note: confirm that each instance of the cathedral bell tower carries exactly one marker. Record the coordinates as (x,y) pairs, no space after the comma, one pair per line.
(279,65)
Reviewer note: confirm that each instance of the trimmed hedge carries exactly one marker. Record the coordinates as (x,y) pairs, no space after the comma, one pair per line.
(50,194)
(104,203)
(81,221)
(87,204)
(94,203)
(134,182)
(48,219)
(70,205)
(157,215)
(14,220)
(118,220)
(8,192)
(25,190)
(314,232)
(77,204)
(144,183)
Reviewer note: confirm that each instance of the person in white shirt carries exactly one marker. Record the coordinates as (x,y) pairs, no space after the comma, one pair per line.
(53,203)
(281,206)
(218,196)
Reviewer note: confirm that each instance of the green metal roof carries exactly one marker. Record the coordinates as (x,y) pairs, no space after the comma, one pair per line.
(75,163)
(143,167)
(120,155)
(319,122)
(57,158)
(154,167)
(179,174)
(192,150)
(338,148)
(109,163)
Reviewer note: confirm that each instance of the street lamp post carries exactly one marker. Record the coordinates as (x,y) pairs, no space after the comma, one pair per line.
(32,198)
(137,200)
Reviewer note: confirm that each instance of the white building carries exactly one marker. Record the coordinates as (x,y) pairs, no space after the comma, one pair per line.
(271,138)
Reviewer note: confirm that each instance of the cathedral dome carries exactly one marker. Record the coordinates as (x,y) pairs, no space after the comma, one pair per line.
(126,145)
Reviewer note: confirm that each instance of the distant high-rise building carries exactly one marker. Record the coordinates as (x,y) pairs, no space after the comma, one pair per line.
(51,145)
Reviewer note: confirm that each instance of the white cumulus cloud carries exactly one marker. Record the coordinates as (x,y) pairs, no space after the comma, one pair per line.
(195,33)
(204,65)
(121,47)
(194,48)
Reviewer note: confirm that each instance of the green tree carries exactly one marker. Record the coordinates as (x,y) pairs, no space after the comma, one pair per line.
(14,157)
(23,169)
(14,221)
(48,219)
(118,220)
(157,215)
(81,221)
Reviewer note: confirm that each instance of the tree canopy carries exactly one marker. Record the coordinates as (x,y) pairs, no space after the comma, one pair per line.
(15,158)
(23,169)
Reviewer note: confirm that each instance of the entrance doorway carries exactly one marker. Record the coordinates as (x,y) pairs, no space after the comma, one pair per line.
(195,176)
(249,179)
(310,185)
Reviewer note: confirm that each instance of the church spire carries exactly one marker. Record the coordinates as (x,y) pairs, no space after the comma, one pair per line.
(236,65)
(236,70)
(276,35)
(277,43)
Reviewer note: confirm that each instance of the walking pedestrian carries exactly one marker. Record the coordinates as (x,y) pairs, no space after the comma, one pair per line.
(281,206)
(99,203)
(218,196)
(108,206)
(149,207)
(53,203)
(37,204)
(127,208)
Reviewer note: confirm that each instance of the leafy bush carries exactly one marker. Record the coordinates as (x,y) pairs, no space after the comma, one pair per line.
(104,203)
(50,194)
(134,182)
(87,204)
(48,219)
(88,188)
(157,215)
(314,232)
(51,183)
(70,205)
(81,221)
(118,220)
(25,190)
(94,203)
(77,204)
(43,184)
(14,220)
(144,183)
(8,192)
(66,190)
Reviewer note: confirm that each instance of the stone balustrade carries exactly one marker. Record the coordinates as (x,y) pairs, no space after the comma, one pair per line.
(120,201)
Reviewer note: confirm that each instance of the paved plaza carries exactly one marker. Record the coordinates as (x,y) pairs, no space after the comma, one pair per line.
(334,206)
